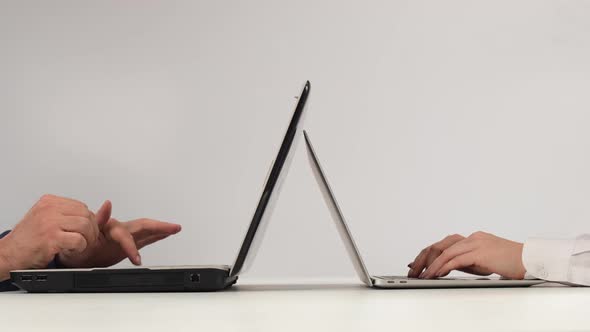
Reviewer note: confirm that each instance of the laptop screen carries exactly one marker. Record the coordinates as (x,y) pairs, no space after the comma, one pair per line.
(271,190)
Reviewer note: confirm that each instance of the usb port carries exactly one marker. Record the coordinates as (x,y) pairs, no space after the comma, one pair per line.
(41,277)
(26,278)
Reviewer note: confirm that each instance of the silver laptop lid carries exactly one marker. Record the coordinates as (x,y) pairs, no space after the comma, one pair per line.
(337,216)
(272,187)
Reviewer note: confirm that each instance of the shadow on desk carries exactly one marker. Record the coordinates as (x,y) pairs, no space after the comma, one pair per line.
(294,287)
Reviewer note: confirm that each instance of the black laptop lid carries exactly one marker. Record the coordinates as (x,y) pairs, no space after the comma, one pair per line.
(271,190)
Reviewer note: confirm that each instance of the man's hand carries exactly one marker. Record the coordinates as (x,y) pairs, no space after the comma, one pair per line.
(480,253)
(118,240)
(67,228)
(52,225)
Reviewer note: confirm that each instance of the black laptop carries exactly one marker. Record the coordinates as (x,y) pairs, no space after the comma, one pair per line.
(192,278)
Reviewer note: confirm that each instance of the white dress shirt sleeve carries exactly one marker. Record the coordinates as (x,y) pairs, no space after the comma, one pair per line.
(558,260)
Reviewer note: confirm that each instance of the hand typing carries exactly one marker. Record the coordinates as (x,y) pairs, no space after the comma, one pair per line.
(66,228)
(480,253)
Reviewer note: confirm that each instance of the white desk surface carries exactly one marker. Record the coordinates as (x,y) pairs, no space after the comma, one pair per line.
(322,306)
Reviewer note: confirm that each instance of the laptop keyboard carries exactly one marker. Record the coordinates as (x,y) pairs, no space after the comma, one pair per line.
(396,278)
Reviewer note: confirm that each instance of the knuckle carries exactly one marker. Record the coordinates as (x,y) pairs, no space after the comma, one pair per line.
(41,208)
(41,205)
(477,235)
(117,232)
(433,248)
(80,241)
(92,226)
(79,204)
(46,198)
(77,243)
(452,263)
(436,248)
(84,221)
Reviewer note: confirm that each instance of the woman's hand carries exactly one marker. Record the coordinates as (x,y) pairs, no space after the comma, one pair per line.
(480,253)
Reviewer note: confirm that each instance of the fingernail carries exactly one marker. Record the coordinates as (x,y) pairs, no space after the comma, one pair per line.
(410,272)
(138,259)
(421,275)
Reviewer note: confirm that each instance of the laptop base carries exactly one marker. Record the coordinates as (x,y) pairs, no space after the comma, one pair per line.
(460,282)
(156,279)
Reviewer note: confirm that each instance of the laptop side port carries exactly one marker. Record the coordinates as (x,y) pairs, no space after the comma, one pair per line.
(41,277)
(195,277)
(26,278)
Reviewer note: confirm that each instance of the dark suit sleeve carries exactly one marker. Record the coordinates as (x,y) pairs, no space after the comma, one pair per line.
(8,286)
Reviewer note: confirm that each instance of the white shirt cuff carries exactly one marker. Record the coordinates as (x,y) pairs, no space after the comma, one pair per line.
(548,259)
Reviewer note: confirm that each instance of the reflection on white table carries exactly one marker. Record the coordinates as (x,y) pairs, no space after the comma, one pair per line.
(344,305)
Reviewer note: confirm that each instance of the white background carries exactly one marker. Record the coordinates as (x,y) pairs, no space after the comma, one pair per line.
(431,117)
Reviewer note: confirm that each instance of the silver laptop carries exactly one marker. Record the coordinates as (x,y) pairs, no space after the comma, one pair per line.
(391,281)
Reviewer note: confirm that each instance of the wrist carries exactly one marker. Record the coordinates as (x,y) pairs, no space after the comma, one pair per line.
(522,273)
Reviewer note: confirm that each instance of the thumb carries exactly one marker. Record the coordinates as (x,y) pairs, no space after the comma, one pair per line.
(104,213)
